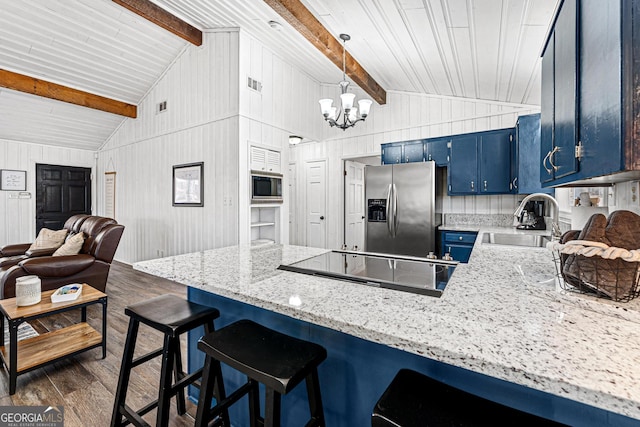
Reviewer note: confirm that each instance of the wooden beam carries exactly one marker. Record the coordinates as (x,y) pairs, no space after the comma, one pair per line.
(154,13)
(34,86)
(296,14)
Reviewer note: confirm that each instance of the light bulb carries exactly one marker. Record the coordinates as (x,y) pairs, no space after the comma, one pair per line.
(347,100)
(325,106)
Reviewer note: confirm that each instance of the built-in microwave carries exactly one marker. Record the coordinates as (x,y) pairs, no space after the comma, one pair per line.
(266,187)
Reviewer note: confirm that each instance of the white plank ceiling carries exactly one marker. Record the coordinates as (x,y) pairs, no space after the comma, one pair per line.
(486,49)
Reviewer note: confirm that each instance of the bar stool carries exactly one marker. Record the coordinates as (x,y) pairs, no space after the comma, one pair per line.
(415,400)
(172,316)
(278,361)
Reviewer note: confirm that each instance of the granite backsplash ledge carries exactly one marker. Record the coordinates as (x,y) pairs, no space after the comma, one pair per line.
(487,220)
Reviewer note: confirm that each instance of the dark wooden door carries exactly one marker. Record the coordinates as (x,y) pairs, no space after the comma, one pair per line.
(61,191)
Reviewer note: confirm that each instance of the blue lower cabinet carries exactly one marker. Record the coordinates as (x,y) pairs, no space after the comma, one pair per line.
(357,372)
(458,244)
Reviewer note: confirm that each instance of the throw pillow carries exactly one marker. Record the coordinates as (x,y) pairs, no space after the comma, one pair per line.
(49,239)
(72,246)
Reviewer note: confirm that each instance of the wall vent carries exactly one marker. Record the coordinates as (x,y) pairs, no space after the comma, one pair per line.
(162,107)
(254,84)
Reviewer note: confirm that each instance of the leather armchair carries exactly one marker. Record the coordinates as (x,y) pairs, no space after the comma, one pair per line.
(91,265)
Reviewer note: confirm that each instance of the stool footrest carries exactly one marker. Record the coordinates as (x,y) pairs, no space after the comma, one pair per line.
(135,418)
(229,400)
(145,358)
(185,381)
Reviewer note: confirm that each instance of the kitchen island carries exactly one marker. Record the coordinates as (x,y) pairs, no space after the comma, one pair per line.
(501,330)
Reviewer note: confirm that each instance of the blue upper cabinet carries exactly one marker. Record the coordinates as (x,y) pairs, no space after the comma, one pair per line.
(437,149)
(391,153)
(527,163)
(495,150)
(480,163)
(462,174)
(403,152)
(419,150)
(413,151)
(590,108)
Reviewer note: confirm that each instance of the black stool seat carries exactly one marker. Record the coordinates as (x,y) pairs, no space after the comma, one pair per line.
(271,358)
(415,400)
(172,316)
(278,361)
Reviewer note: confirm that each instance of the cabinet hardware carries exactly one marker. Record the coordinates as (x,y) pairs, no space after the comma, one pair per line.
(544,163)
(485,186)
(579,150)
(472,186)
(460,238)
(554,151)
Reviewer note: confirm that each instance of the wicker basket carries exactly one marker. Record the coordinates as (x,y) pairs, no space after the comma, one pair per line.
(595,268)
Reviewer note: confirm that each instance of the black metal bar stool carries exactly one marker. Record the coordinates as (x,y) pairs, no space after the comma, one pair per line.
(278,361)
(172,316)
(415,400)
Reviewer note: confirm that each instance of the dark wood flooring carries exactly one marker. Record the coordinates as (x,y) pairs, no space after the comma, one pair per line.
(85,384)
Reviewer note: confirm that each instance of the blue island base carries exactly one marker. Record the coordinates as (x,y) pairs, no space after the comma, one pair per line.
(357,372)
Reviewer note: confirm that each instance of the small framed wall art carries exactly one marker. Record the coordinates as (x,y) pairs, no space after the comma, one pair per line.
(12,180)
(188,184)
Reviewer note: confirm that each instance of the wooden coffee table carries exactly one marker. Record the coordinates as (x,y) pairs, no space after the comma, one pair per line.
(32,353)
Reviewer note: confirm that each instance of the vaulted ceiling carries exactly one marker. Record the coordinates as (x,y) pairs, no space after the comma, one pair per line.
(486,49)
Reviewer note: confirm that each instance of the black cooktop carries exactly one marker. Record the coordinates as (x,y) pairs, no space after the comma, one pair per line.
(403,273)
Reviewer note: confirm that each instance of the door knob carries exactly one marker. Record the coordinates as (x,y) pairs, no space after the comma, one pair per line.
(322,217)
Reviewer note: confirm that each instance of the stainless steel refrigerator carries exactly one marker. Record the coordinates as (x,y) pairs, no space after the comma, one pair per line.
(400,201)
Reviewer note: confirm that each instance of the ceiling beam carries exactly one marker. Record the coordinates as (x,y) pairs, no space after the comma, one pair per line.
(27,84)
(154,13)
(296,14)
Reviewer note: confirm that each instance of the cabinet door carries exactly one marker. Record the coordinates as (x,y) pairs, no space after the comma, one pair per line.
(528,143)
(273,161)
(413,152)
(391,154)
(566,93)
(462,172)
(495,162)
(438,151)
(546,111)
(258,159)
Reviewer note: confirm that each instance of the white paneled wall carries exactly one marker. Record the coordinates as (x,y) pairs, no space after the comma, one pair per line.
(285,106)
(404,117)
(18,215)
(200,124)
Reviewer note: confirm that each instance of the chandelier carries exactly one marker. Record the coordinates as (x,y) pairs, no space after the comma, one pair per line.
(348,112)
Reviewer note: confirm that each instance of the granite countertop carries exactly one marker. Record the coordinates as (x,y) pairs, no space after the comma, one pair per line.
(502,315)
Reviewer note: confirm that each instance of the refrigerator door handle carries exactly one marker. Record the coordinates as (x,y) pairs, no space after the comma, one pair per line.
(388,210)
(395,210)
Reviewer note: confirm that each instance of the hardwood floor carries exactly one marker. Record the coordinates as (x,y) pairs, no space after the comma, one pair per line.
(85,384)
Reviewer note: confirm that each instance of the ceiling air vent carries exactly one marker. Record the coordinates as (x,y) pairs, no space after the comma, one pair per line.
(162,107)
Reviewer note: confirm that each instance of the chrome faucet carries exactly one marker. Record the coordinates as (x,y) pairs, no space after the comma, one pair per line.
(555,211)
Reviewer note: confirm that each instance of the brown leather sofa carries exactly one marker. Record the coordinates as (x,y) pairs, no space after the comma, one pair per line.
(90,266)
(13,254)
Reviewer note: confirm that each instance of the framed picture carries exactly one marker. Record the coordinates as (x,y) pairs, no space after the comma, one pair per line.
(11,180)
(187,184)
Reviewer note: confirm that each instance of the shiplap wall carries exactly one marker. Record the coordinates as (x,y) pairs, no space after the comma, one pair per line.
(285,106)
(199,125)
(18,215)
(404,117)
(211,116)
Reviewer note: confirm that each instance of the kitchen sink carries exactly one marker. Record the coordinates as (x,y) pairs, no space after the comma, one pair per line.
(530,240)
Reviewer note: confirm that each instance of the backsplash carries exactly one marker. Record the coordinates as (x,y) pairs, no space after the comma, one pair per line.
(493,220)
